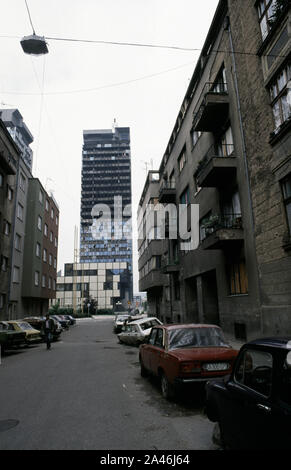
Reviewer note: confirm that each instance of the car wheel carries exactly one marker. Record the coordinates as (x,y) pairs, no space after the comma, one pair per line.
(167,388)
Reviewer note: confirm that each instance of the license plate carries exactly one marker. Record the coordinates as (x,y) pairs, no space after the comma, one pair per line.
(216,366)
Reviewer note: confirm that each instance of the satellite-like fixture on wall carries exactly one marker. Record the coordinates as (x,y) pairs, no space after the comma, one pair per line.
(33,44)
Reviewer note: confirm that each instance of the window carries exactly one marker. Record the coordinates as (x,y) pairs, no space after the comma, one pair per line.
(52,213)
(4,263)
(47,205)
(56,242)
(50,283)
(17,242)
(43,282)
(238,278)
(220,84)
(55,263)
(1,180)
(51,236)
(57,220)
(153,336)
(20,212)
(39,222)
(40,197)
(2,300)
(37,251)
(44,255)
(16,275)
(182,160)
(45,230)
(280,93)
(9,193)
(286,187)
(50,260)
(195,135)
(224,146)
(159,338)
(254,370)
(7,228)
(36,278)
(267,11)
(185,196)
(22,182)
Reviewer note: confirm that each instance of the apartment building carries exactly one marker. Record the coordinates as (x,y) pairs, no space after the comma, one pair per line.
(9,161)
(229,153)
(40,250)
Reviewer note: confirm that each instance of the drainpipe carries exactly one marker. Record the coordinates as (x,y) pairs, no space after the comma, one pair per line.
(228,28)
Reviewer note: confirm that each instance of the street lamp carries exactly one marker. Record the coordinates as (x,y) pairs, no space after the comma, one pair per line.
(35,45)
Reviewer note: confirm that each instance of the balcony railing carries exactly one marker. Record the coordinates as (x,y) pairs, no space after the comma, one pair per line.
(215,151)
(167,191)
(170,265)
(210,97)
(217,222)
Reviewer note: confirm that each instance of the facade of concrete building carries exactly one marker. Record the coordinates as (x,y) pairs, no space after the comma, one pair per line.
(40,251)
(106,175)
(104,283)
(19,132)
(229,152)
(9,163)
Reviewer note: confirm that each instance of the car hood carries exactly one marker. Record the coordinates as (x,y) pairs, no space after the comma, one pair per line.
(204,354)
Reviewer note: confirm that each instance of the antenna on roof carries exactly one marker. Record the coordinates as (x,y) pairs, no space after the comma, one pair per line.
(114,125)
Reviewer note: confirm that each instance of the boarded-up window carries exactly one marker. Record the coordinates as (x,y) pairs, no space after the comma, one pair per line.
(238,278)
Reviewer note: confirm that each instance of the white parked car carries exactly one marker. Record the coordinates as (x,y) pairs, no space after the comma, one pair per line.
(119,322)
(137,331)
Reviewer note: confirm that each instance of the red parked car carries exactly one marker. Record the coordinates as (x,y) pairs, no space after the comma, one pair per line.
(185,354)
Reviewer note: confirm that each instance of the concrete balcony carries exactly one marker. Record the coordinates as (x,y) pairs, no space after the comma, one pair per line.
(167,193)
(217,167)
(212,109)
(222,232)
(171,266)
(153,280)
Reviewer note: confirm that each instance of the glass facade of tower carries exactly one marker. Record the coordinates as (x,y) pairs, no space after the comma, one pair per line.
(106,232)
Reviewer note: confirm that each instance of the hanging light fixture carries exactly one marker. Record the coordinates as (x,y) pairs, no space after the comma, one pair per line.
(33,44)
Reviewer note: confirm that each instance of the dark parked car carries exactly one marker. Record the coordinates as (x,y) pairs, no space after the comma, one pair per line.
(71,319)
(38,324)
(252,407)
(63,321)
(9,339)
(181,355)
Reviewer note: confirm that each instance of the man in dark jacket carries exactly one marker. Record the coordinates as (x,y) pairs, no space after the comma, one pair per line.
(48,330)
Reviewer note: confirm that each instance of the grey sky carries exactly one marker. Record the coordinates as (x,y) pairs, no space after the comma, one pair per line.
(149,106)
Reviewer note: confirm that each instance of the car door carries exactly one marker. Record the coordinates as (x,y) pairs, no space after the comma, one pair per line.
(157,352)
(146,350)
(250,407)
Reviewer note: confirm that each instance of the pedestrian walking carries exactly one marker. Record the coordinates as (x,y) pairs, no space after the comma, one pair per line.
(48,330)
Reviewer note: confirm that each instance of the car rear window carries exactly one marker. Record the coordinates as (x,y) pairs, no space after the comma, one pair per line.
(196,338)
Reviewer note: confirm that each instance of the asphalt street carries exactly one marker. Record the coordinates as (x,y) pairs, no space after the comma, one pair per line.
(87,393)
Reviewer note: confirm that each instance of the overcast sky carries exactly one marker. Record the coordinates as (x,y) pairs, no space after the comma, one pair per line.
(83,85)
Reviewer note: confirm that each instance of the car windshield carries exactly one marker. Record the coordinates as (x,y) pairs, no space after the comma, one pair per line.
(196,338)
(25,326)
(148,324)
(121,317)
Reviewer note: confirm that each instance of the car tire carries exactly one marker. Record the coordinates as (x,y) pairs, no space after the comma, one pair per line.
(167,388)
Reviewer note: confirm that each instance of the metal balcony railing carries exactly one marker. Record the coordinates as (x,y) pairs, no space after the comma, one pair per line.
(210,88)
(217,222)
(167,185)
(215,151)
